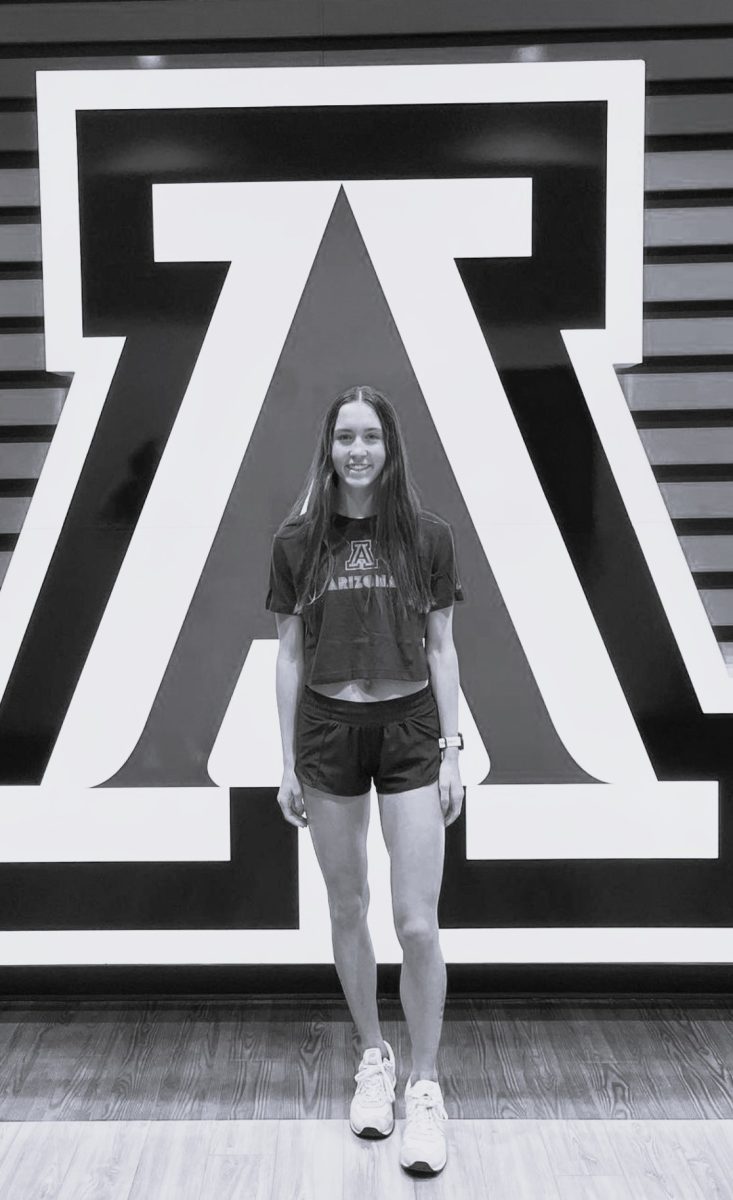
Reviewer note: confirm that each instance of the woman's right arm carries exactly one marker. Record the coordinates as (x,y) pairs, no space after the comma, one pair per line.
(289,679)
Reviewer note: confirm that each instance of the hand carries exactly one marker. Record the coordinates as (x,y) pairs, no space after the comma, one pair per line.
(451,789)
(290,799)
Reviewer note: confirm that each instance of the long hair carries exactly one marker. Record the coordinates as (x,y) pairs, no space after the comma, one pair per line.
(397,532)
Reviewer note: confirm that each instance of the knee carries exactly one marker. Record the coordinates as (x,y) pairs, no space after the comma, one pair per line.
(416,931)
(349,908)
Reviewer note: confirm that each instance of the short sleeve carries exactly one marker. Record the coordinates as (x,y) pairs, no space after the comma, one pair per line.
(445,583)
(281,596)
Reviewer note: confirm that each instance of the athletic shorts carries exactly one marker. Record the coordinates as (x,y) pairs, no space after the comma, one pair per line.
(341,745)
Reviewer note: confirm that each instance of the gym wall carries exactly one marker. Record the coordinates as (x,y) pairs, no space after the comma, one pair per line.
(529,249)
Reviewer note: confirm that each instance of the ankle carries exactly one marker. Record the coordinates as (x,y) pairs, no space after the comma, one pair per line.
(431,1074)
(378,1042)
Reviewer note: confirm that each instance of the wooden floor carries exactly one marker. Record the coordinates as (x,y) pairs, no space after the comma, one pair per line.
(322,1160)
(255,1059)
(569,1099)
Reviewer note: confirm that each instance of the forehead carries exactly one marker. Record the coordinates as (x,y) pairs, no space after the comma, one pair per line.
(357,414)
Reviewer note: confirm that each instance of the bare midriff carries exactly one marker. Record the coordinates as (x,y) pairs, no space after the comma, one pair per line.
(368,689)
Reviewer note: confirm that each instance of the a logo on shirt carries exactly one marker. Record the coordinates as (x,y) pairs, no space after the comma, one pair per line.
(360,557)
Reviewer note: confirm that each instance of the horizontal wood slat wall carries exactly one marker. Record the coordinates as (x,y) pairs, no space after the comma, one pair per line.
(22,460)
(686,225)
(704,500)
(688,445)
(183,20)
(21,297)
(689,336)
(685,116)
(31,406)
(686,378)
(710,552)
(688,170)
(20,242)
(664,392)
(704,62)
(675,282)
(22,352)
(18,187)
(343,18)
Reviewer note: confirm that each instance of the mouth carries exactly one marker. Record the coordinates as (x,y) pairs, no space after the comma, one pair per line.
(360,469)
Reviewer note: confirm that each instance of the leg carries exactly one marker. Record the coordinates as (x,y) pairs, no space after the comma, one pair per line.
(412,823)
(338,827)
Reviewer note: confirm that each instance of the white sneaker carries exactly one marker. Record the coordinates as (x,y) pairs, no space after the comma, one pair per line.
(423,1140)
(372,1109)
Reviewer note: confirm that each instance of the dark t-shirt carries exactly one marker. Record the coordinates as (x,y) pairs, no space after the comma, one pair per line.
(346,635)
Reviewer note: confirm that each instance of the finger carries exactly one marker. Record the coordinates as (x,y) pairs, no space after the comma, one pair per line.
(291,817)
(455,809)
(298,811)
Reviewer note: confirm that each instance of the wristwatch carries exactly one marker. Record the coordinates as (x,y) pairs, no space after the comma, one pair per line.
(453,740)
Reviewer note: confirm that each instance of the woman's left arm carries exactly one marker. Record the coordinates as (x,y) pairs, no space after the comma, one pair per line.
(443,664)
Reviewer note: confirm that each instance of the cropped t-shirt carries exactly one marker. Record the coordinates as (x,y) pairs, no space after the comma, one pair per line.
(343,636)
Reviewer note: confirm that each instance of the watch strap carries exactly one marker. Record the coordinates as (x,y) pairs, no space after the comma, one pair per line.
(451,740)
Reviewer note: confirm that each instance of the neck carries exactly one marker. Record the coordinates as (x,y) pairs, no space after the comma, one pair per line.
(363,505)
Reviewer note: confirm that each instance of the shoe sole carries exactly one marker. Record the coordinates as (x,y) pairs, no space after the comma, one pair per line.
(370,1132)
(422,1168)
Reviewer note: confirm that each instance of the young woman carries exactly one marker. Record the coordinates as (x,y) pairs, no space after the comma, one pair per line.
(360,574)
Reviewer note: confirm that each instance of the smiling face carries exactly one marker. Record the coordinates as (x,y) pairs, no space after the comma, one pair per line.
(357,450)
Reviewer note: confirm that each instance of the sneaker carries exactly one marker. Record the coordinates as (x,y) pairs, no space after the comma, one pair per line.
(372,1108)
(423,1140)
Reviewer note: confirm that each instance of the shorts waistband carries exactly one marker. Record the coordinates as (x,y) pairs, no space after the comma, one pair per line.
(369,712)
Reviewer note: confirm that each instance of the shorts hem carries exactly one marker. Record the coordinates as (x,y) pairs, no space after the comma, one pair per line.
(413,787)
(349,795)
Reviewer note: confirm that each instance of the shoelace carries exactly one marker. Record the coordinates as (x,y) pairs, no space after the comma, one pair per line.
(423,1112)
(373,1082)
